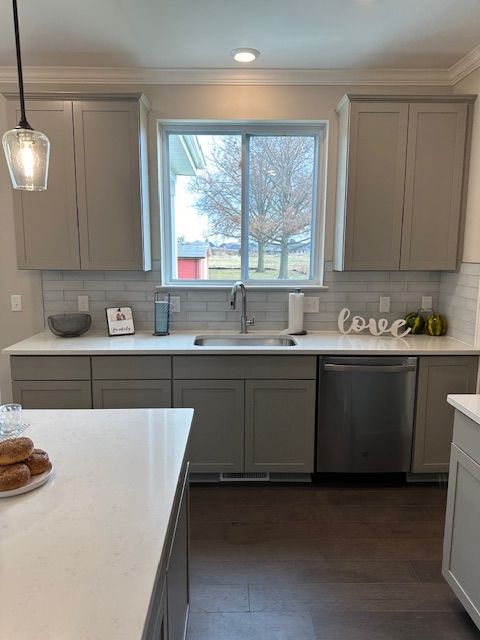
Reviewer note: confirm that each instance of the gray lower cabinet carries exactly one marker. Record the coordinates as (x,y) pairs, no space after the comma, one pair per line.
(53,394)
(461,560)
(279,425)
(169,605)
(160,624)
(438,376)
(132,394)
(216,441)
(178,596)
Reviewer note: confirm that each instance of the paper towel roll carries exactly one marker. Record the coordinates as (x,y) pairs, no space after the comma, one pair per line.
(295,313)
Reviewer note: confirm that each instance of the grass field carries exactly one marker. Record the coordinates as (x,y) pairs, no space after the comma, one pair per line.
(224,266)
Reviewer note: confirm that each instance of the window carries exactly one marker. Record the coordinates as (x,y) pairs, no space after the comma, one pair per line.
(243,203)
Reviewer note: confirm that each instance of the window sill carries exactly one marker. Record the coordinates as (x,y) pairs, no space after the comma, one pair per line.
(249,287)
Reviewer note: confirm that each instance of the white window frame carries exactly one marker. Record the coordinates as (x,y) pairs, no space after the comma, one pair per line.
(318,129)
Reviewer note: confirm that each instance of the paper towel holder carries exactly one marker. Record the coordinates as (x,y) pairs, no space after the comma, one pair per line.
(295,333)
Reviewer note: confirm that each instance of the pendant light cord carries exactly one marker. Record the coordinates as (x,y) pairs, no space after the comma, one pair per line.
(23,118)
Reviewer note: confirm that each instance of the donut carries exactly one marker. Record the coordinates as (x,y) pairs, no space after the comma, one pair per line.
(38,462)
(15,450)
(13,476)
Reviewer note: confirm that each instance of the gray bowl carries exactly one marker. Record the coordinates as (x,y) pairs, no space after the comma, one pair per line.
(69,325)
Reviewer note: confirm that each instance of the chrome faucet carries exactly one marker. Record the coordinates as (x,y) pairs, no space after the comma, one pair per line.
(244,321)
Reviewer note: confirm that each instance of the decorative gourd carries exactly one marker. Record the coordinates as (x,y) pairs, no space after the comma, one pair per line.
(436,325)
(415,322)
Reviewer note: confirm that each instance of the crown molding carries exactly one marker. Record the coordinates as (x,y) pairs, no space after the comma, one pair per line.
(466,65)
(148,76)
(252,76)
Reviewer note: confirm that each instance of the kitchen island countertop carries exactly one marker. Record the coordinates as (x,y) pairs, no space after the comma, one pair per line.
(79,555)
(181,342)
(466,403)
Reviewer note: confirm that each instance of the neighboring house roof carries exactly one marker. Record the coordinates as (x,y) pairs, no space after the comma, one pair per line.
(186,156)
(192,250)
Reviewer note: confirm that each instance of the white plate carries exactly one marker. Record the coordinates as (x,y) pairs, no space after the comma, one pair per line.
(33,483)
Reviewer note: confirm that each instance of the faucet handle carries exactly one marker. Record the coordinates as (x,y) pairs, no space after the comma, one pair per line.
(250,321)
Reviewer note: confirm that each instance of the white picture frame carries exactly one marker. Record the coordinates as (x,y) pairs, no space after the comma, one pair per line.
(120,321)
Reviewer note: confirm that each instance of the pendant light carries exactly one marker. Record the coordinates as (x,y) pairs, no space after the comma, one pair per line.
(27,151)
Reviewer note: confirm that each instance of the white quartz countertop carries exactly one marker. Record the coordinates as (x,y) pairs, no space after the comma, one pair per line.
(78,556)
(325,342)
(468,404)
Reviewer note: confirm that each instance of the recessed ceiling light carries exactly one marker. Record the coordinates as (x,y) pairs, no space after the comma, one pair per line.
(245,54)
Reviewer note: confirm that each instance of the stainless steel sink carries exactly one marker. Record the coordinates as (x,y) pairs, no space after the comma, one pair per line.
(247,340)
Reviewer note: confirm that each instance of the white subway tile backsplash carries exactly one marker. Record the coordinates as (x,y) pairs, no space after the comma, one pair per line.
(124,275)
(458,301)
(57,295)
(52,275)
(104,285)
(453,293)
(64,285)
(126,296)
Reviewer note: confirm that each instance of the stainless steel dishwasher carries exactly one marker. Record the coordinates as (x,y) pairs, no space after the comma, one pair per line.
(365,414)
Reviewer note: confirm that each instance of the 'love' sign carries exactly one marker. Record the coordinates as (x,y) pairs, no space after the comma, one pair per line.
(376,328)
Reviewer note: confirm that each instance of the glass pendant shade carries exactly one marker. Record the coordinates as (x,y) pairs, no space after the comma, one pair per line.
(27,152)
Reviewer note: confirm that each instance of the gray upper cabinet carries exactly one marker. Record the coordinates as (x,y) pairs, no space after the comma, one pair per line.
(374,190)
(400,182)
(433,186)
(46,222)
(109,189)
(95,213)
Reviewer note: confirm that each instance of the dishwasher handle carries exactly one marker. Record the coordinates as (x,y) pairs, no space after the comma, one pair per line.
(402,368)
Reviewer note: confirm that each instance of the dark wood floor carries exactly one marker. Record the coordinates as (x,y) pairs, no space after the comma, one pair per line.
(320,563)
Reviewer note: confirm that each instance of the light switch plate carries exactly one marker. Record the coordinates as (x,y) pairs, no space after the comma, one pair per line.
(384,306)
(427,302)
(16,302)
(311,304)
(83,303)
(175,302)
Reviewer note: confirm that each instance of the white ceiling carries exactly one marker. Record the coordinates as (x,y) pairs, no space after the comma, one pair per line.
(199,34)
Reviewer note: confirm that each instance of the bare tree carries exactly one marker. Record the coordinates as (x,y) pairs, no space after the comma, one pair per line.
(280,186)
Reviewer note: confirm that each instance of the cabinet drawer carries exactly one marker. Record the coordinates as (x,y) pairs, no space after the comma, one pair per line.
(50,367)
(230,367)
(131,367)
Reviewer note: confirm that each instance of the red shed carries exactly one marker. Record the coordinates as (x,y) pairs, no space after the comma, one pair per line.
(192,260)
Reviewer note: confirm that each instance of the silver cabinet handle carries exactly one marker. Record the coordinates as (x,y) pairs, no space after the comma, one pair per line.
(370,368)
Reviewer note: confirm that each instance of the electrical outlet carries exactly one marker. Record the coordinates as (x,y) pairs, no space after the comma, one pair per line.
(175,302)
(427,302)
(384,306)
(311,304)
(16,302)
(83,303)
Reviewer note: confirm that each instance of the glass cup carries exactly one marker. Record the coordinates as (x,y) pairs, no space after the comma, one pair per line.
(10,418)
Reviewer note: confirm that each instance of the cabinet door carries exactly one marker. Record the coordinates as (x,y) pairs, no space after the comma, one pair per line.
(177,573)
(217,437)
(375,183)
(46,222)
(108,184)
(433,185)
(132,394)
(437,377)
(159,629)
(279,425)
(58,394)
(461,561)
